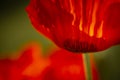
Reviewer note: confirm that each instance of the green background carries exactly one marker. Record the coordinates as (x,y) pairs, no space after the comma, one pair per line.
(16,30)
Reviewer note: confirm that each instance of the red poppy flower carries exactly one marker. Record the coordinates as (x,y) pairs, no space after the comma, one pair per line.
(28,66)
(67,66)
(77,25)
(12,69)
(59,65)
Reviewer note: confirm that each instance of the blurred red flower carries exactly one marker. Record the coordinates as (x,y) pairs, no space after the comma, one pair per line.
(11,69)
(58,65)
(77,25)
(68,66)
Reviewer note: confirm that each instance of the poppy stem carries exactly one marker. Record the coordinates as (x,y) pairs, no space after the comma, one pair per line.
(87,66)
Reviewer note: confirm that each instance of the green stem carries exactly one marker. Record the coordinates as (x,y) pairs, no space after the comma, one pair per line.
(87,65)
